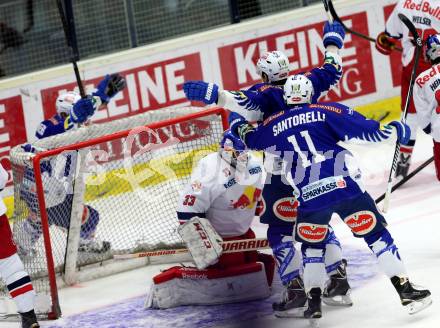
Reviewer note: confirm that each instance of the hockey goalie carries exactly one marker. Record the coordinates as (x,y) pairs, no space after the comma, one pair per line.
(218,203)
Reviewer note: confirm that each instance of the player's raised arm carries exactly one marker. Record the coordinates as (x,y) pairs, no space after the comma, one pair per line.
(348,124)
(329,74)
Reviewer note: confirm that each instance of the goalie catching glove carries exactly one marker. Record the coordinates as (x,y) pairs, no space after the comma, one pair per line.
(202,241)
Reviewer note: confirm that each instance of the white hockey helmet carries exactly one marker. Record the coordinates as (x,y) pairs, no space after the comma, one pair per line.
(298,89)
(432,47)
(65,101)
(274,64)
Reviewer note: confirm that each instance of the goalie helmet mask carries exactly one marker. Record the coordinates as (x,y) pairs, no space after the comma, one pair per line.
(432,48)
(298,89)
(233,151)
(274,64)
(65,102)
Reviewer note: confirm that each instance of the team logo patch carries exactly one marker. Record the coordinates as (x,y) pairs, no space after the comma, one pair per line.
(286,209)
(361,222)
(312,233)
(196,186)
(261,207)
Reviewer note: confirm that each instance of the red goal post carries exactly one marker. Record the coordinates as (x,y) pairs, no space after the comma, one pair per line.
(151,218)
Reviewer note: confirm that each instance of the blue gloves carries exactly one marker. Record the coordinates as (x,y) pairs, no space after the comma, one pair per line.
(334,34)
(28,148)
(403,131)
(236,143)
(109,87)
(201,91)
(83,109)
(235,121)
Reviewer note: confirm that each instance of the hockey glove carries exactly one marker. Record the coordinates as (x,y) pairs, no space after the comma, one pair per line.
(232,139)
(384,44)
(334,34)
(84,108)
(403,131)
(109,87)
(201,91)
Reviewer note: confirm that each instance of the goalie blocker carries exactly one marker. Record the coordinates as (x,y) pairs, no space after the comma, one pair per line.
(229,278)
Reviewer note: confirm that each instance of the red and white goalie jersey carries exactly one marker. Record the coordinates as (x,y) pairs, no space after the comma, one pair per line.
(424,14)
(427,101)
(226,196)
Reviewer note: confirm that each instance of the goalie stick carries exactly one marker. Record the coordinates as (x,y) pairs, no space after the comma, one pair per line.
(418,42)
(232,246)
(328,5)
(408,177)
(74,57)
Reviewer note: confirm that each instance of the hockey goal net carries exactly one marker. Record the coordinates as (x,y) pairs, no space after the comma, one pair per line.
(101,190)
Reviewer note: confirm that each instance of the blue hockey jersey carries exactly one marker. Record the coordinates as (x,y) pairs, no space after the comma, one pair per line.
(55,125)
(306,137)
(263,99)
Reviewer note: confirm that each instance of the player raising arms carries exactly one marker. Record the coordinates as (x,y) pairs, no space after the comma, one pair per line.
(279,202)
(12,271)
(327,181)
(427,96)
(219,202)
(422,14)
(59,173)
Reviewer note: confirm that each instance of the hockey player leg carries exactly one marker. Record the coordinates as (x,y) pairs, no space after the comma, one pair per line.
(88,242)
(20,288)
(289,263)
(412,297)
(437,158)
(314,279)
(337,290)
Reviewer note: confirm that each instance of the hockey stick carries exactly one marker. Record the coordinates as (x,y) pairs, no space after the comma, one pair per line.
(419,44)
(408,177)
(232,246)
(349,30)
(327,11)
(73,57)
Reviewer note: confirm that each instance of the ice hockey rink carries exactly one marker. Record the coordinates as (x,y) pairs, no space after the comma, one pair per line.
(414,222)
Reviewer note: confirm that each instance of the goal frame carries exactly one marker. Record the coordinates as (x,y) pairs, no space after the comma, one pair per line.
(55,311)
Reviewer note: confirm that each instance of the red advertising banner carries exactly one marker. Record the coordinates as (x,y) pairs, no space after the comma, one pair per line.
(149,87)
(12,127)
(303,46)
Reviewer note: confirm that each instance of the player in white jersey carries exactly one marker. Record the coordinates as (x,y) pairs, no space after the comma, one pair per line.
(222,193)
(12,271)
(427,96)
(425,15)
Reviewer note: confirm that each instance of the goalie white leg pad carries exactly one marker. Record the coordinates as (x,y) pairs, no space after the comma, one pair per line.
(188,286)
(202,241)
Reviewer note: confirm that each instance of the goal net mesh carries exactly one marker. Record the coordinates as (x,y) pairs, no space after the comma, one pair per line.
(122,187)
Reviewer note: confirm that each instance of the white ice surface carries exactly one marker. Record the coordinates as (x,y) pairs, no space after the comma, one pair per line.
(414,222)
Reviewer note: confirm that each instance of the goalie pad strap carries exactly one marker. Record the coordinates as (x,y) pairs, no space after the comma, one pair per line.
(179,272)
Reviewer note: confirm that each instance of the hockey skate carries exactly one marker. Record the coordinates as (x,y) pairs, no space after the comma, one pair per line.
(313,311)
(415,300)
(93,245)
(402,167)
(29,320)
(337,292)
(293,301)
